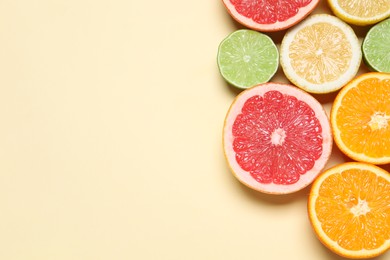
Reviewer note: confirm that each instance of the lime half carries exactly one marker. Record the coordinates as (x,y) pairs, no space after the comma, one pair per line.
(376,47)
(247,58)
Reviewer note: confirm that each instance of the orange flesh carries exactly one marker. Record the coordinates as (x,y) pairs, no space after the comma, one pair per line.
(354,209)
(320,53)
(363,118)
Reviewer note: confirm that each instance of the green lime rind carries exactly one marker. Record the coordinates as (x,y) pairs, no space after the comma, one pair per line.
(376,47)
(247,58)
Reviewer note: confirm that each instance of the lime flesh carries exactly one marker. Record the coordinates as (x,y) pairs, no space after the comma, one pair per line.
(376,47)
(247,58)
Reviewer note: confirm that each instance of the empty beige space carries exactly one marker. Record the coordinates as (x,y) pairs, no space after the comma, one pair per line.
(111,116)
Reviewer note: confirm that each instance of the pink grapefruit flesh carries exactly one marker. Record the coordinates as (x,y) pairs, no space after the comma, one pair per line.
(276,138)
(269,15)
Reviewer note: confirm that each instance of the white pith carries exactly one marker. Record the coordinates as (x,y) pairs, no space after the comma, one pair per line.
(246,58)
(278,136)
(379,120)
(361,208)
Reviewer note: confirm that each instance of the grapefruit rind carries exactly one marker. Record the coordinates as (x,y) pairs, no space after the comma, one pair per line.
(356,20)
(243,176)
(278,26)
(330,86)
(316,224)
(361,157)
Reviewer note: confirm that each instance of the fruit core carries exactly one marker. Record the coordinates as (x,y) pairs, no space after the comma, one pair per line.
(277,138)
(319,52)
(269,11)
(361,208)
(247,58)
(379,120)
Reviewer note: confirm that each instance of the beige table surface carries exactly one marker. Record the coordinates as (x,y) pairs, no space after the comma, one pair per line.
(111,115)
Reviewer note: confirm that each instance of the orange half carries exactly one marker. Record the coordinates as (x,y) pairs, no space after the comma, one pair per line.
(360,118)
(349,209)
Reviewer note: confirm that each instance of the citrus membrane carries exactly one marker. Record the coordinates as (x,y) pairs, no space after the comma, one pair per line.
(362,12)
(349,209)
(320,54)
(269,15)
(376,47)
(276,138)
(246,58)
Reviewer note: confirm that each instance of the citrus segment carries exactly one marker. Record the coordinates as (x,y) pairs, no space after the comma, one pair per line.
(321,54)
(349,209)
(269,15)
(362,12)
(376,47)
(246,58)
(360,118)
(277,138)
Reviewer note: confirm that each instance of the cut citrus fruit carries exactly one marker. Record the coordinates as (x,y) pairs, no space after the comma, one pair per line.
(246,58)
(276,138)
(376,47)
(349,209)
(269,15)
(362,12)
(321,54)
(360,118)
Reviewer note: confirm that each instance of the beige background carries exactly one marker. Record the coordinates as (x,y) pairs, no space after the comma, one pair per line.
(110,138)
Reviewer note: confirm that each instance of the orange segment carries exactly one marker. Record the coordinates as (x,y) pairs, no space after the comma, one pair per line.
(360,118)
(349,209)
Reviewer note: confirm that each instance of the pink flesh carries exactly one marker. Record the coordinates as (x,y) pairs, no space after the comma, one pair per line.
(269,11)
(296,152)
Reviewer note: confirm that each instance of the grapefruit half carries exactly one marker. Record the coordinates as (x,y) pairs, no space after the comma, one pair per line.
(276,138)
(269,15)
